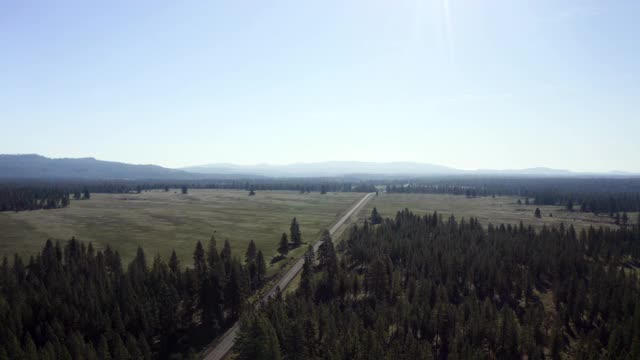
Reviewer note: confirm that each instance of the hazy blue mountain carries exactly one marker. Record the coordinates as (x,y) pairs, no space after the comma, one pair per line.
(347,168)
(327,168)
(536,171)
(39,167)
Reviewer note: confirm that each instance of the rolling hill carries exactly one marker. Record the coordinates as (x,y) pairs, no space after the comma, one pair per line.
(33,166)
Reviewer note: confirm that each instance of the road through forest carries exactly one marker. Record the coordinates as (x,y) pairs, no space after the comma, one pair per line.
(227,341)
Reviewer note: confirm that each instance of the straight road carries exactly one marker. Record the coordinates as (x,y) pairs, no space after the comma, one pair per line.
(225,344)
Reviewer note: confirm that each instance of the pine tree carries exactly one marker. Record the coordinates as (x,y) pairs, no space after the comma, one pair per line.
(30,350)
(570,205)
(283,249)
(144,348)
(174,263)
(375,217)
(537,213)
(118,350)
(103,349)
(296,236)
(225,256)
(213,258)
(307,274)
(556,343)
(235,290)
(377,280)
(327,254)
(257,339)
(261,267)
(199,263)
(133,348)
(250,255)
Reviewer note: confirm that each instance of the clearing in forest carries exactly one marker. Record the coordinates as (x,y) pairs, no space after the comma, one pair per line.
(162,221)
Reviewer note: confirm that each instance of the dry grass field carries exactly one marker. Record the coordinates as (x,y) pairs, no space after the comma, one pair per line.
(162,221)
(498,210)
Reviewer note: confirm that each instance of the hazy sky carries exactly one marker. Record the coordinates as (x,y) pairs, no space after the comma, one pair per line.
(469,84)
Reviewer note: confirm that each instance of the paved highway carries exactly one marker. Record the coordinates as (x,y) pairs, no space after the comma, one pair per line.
(225,344)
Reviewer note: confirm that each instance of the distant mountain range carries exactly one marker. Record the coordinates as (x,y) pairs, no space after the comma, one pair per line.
(33,166)
(327,169)
(39,167)
(353,168)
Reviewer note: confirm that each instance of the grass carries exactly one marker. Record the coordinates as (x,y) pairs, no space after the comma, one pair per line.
(162,221)
(498,210)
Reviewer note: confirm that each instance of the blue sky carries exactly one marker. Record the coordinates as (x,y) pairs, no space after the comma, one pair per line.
(468,84)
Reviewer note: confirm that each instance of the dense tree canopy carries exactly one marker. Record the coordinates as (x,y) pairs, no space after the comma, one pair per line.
(22,198)
(597,195)
(424,287)
(72,301)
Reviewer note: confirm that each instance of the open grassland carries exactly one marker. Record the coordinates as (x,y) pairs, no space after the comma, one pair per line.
(498,210)
(162,221)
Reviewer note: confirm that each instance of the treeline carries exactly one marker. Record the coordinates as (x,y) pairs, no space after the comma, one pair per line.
(135,186)
(424,287)
(597,195)
(34,197)
(72,301)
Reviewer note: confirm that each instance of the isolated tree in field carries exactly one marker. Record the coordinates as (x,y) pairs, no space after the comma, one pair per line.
(526,201)
(537,213)
(375,217)
(65,201)
(519,202)
(283,249)
(251,192)
(296,236)
(185,190)
(86,195)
